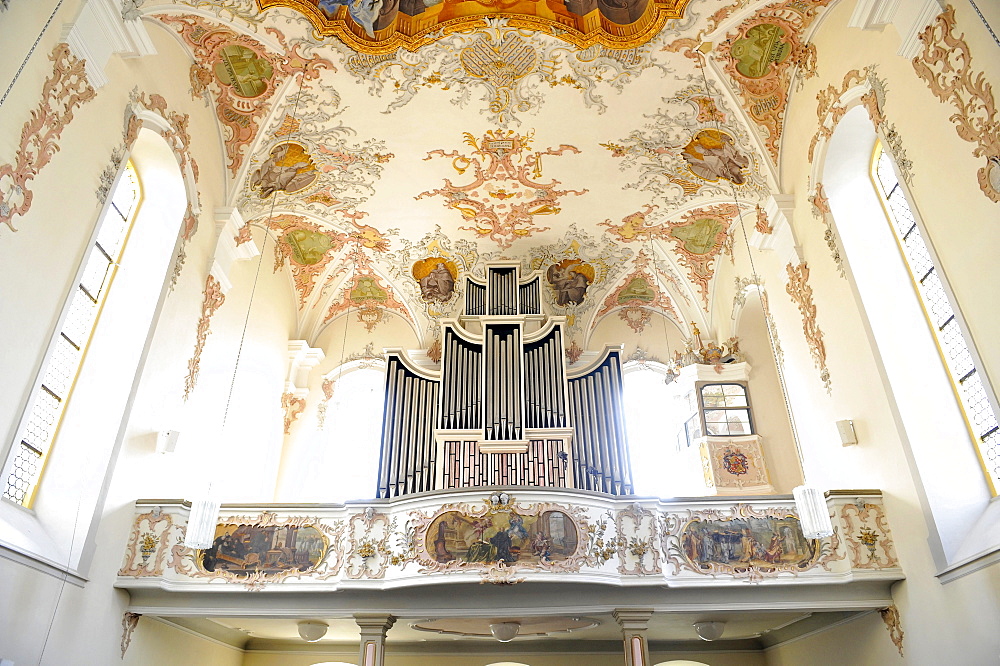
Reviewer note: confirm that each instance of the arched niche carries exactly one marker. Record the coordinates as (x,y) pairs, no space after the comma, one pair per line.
(927,416)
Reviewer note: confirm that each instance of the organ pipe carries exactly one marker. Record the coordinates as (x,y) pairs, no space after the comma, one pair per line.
(507,385)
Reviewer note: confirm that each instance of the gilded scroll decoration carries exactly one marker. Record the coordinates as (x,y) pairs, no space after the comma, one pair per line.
(867,536)
(148,542)
(638,555)
(802,295)
(946,65)
(62,94)
(212,300)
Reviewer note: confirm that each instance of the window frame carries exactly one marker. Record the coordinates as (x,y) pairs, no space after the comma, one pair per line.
(94,248)
(700,387)
(937,333)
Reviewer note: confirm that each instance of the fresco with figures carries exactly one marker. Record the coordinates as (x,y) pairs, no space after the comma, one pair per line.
(247,549)
(507,537)
(760,542)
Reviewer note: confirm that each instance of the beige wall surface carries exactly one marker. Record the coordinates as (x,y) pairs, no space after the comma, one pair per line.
(158,644)
(860,642)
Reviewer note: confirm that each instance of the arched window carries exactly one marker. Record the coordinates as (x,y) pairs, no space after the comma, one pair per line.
(655,423)
(68,347)
(941,316)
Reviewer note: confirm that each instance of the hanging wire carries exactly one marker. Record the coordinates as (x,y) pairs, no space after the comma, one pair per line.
(31,51)
(260,261)
(756,280)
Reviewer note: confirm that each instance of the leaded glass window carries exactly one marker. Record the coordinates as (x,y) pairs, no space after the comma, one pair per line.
(68,348)
(955,349)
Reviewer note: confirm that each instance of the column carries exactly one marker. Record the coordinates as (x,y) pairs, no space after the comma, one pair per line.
(634,623)
(373,629)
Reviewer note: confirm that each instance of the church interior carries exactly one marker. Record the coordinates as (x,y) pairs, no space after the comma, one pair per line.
(680,350)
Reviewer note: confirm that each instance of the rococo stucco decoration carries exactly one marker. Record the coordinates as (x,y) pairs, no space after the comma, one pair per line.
(212,300)
(800,291)
(510,64)
(690,147)
(638,296)
(503,198)
(62,94)
(504,540)
(242,73)
(946,65)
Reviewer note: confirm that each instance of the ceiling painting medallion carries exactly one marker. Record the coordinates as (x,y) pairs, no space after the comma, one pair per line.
(698,239)
(761,55)
(378,27)
(569,280)
(689,149)
(436,277)
(577,266)
(242,74)
(502,200)
(288,168)
(638,296)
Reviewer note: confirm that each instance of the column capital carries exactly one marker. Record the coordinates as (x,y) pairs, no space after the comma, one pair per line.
(633,619)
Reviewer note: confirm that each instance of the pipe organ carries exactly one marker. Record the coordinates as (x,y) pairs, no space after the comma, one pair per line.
(503,409)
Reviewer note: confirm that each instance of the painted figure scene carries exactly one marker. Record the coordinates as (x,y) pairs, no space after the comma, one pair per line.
(246,549)
(759,542)
(502,537)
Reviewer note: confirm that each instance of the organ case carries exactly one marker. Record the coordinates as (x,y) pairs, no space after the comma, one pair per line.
(503,409)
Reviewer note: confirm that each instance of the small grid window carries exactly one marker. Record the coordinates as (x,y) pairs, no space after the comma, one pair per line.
(941,315)
(66,351)
(725,410)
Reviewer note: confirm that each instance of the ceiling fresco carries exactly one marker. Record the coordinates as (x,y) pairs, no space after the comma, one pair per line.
(390,148)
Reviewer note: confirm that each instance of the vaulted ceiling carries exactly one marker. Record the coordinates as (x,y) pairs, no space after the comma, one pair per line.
(621,145)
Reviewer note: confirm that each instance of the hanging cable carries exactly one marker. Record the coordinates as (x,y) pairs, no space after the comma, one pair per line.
(31,51)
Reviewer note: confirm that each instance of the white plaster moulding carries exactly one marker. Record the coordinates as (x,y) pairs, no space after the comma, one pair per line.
(228,222)
(301,360)
(297,611)
(911,23)
(781,240)
(99,32)
(872,14)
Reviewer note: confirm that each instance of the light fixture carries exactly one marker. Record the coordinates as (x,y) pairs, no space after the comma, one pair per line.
(312,630)
(813,513)
(709,631)
(204,517)
(810,504)
(200,532)
(504,631)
